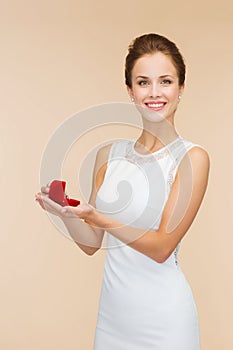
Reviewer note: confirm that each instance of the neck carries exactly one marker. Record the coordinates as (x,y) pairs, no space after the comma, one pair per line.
(155,135)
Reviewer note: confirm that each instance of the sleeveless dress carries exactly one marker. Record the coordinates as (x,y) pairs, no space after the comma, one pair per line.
(144,305)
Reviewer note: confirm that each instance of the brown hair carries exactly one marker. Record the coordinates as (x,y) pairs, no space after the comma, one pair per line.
(149,44)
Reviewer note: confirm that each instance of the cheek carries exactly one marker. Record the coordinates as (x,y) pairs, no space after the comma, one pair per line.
(139,92)
(173,95)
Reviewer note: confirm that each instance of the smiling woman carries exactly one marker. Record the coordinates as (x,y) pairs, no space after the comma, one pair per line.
(155,84)
(149,44)
(161,178)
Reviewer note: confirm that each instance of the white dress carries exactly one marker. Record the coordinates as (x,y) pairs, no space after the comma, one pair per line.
(144,305)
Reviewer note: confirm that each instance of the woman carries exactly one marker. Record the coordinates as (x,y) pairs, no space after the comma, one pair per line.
(146,302)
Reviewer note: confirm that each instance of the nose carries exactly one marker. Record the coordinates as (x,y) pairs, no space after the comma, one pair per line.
(154,90)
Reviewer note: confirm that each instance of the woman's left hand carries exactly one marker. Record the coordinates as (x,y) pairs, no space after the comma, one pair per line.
(82,211)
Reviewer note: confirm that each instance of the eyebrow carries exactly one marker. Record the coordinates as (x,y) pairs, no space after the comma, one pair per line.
(161,76)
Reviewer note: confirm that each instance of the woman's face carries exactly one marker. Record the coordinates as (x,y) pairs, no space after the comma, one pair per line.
(155,86)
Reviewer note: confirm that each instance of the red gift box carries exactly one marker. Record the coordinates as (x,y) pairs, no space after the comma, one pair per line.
(57,194)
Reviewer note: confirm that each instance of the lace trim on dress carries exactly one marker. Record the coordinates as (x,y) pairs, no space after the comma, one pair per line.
(138,158)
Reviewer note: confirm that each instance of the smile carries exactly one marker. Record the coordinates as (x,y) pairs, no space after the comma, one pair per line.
(156,105)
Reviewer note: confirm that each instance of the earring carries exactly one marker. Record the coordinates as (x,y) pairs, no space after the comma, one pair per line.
(132,99)
(179,97)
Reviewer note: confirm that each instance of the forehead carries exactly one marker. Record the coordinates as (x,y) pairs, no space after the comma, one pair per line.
(154,64)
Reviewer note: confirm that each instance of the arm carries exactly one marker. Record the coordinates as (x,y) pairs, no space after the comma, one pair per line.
(89,242)
(88,237)
(180,210)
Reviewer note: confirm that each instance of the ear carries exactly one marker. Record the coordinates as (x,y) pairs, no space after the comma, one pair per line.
(130,91)
(181,89)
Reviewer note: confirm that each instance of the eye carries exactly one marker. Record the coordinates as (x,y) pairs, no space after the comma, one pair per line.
(143,83)
(166,82)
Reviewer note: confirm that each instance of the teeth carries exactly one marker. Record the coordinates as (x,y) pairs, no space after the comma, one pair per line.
(155,105)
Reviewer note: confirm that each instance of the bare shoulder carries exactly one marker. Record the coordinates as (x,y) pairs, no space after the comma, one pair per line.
(199,158)
(195,166)
(103,152)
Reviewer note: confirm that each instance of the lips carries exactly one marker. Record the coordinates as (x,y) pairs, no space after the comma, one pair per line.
(155,105)
(57,194)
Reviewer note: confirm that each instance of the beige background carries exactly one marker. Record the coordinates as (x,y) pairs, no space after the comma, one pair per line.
(60,57)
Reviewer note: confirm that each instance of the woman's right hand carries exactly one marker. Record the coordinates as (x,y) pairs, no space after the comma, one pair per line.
(46,203)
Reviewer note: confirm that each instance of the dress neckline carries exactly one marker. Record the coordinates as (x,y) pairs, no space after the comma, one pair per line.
(155,153)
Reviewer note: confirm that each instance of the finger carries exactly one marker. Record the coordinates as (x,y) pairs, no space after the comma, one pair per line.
(45,189)
(39,201)
(39,197)
(48,204)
